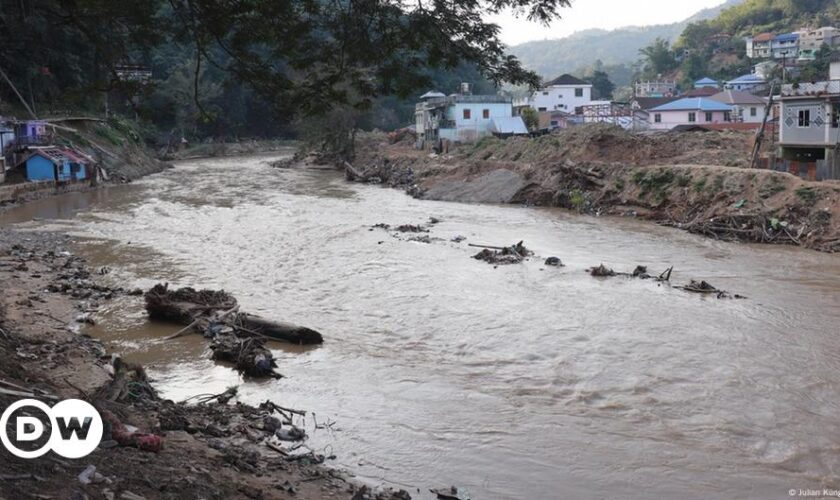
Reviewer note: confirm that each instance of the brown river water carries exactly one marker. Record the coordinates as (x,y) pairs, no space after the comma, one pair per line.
(512,382)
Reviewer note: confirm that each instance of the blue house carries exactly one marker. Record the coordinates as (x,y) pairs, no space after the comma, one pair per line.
(55,164)
(705,82)
(746,83)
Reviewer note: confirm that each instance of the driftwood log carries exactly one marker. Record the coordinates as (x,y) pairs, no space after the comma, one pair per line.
(236,337)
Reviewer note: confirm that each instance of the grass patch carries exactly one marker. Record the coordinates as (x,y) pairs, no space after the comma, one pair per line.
(654,181)
(619,184)
(683,180)
(700,185)
(806,194)
(576,199)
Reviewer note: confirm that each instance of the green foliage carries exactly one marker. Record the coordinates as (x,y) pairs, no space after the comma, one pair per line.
(577,199)
(700,185)
(657,58)
(806,194)
(683,180)
(223,68)
(602,87)
(530,117)
(654,181)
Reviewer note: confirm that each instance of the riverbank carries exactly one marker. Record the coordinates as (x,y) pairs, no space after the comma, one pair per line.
(221,149)
(115,146)
(213,450)
(694,181)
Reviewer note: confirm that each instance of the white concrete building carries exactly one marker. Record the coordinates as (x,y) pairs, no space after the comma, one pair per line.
(458,117)
(564,93)
(746,107)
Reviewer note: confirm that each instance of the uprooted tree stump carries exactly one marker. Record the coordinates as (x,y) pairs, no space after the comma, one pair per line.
(236,337)
(513,254)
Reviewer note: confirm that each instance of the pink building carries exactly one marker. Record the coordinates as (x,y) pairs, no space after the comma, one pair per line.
(688,111)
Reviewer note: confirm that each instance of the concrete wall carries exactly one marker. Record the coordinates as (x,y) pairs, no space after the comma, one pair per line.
(477,125)
(671,119)
(561,98)
(27,191)
(817,133)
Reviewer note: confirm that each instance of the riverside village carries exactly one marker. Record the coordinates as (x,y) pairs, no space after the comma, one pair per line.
(531,249)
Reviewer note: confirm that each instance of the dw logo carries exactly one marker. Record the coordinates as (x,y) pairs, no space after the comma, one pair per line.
(75,428)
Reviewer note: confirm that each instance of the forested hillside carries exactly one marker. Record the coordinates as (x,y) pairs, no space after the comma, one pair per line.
(247,69)
(617,49)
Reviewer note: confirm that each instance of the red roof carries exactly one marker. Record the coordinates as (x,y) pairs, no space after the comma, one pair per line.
(763,37)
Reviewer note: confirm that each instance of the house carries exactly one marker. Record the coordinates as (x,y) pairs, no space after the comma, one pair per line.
(760,46)
(748,83)
(810,41)
(688,111)
(648,103)
(7,136)
(746,107)
(550,120)
(31,133)
(54,164)
(706,82)
(658,88)
(564,93)
(808,116)
(461,117)
(785,47)
(702,92)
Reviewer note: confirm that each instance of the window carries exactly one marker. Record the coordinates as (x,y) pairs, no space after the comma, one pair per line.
(753,111)
(835,116)
(578,92)
(709,116)
(692,117)
(467,114)
(804,118)
(485,114)
(727,116)
(542,109)
(545,93)
(657,118)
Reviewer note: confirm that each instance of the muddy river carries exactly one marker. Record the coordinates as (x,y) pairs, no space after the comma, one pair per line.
(512,382)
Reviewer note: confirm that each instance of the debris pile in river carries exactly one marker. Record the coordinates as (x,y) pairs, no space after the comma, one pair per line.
(705,287)
(641,272)
(513,254)
(236,337)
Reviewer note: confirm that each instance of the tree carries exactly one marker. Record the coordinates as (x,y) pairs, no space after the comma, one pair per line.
(530,117)
(693,68)
(818,68)
(304,56)
(657,58)
(602,87)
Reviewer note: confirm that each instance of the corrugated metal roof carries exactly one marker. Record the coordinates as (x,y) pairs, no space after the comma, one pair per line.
(737,97)
(748,78)
(705,81)
(787,37)
(693,103)
(508,125)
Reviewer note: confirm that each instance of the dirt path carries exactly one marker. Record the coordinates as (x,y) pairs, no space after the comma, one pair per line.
(214,450)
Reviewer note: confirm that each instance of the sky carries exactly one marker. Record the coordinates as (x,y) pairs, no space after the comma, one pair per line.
(605,14)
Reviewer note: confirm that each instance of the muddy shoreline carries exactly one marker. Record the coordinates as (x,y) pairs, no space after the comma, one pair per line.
(699,182)
(219,449)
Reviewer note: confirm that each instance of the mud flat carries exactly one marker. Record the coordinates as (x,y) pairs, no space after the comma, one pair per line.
(211,447)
